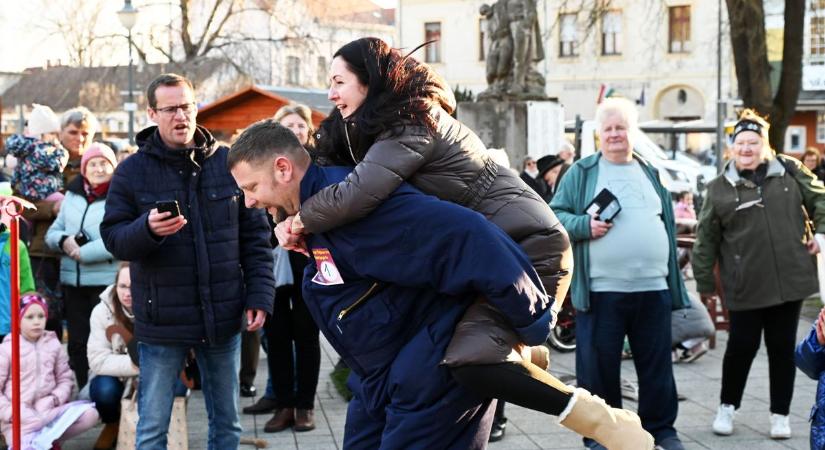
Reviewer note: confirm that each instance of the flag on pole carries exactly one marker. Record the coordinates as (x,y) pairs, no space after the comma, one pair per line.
(601,93)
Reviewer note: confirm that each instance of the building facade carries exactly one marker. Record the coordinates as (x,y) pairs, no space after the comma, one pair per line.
(663,54)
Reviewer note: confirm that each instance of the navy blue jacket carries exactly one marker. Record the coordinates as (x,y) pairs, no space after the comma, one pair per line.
(191,287)
(409,271)
(810,358)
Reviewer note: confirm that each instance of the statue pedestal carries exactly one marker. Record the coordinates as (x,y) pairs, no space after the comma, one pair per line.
(521,128)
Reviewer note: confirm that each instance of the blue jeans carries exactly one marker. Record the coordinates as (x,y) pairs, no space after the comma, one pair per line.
(645,318)
(160,367)
(106,392)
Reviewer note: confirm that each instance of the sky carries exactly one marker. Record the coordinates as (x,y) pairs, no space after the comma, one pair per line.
(24,43)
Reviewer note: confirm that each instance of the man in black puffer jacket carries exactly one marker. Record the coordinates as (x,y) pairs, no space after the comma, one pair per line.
(198,277)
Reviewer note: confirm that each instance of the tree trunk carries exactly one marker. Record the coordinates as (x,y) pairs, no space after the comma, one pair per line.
(790,81)
(750,56)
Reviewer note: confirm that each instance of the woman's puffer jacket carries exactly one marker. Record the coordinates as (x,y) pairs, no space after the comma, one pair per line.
(45,381)
(452,164)
(107,357)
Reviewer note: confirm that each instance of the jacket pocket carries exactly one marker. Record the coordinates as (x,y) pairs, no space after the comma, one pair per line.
(738,282)
(364,298)
(369,328)
(152,302)
(222,206)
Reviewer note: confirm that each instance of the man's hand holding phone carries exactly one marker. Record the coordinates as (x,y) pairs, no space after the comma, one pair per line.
(165,219)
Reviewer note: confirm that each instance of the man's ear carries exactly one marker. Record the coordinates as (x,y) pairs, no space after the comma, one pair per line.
(152,114)
(282,167)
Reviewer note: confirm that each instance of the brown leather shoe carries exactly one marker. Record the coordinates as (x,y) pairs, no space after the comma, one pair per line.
(108,437)
(262,406)
(304,420)
(281,420)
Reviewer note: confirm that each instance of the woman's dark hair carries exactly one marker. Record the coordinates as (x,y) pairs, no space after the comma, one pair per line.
(119,313)
(401,91)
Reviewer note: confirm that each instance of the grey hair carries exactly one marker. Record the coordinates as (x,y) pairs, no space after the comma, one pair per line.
(78,117)
(620,106)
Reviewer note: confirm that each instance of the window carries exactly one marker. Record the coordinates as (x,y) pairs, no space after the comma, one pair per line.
(612,33)
(568,39)
(482,46)
(432,32)
(323,70)
(795,138)
(679,38)
(293,70)
(817,39)
(820,127)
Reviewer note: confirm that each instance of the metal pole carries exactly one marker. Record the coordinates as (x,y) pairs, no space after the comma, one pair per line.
(15,322)
(578,139)
(720,105)
(131,95)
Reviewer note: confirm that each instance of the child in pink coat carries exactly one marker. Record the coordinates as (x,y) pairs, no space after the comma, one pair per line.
(47,417)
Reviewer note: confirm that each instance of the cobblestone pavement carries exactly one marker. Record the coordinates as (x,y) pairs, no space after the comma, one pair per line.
(698,381)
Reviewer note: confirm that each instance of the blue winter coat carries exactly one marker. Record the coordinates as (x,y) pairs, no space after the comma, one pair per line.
(97,267)
(191,287)
(810,358)
(408,271)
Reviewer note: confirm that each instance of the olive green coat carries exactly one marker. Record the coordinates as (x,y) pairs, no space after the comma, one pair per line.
(757,236)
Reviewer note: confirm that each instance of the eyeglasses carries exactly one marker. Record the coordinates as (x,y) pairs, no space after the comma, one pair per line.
(187,108)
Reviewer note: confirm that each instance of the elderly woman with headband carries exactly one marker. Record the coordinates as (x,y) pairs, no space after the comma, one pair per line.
(753,223)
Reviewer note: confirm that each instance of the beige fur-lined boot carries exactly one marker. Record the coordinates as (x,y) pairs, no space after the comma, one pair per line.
(616,429)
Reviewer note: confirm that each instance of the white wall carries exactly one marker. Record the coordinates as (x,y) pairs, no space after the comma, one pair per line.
(575,81)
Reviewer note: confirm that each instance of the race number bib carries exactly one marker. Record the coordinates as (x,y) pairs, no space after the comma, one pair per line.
(328,273)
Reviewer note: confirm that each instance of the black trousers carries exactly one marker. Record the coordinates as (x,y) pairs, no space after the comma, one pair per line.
(521,383)
(46,272)
(294,349)
(79,302)
(779,324)
(250,351)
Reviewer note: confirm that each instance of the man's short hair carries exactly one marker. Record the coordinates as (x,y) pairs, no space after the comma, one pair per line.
(79,117)
(166,79)
(263,141)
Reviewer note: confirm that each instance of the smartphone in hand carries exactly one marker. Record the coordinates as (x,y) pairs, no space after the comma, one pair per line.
(168,206)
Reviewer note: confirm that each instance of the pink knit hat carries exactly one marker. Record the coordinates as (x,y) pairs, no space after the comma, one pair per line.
(97,150)
(27,300)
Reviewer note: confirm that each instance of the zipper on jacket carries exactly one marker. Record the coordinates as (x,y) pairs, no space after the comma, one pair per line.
(349,145)
(82,220)
(355,305)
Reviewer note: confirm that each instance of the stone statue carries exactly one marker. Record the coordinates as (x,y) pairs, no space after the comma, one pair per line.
(500,54)
(515,48)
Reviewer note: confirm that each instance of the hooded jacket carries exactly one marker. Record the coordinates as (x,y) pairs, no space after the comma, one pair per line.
(756,234)
(389,301)
(97,267)
(810,358)
(191,287)
(46,382)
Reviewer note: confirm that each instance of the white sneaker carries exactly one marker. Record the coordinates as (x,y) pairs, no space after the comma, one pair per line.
(780,427)
(723,424)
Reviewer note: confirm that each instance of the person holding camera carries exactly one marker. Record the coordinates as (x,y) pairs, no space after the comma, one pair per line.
(86,267)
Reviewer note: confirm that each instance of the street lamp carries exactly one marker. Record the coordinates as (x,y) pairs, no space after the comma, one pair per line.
(128,17)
